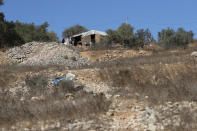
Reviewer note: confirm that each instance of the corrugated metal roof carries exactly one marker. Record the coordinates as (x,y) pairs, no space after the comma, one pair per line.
(91,32)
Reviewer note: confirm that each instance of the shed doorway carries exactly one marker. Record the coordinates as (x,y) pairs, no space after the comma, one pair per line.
(93,38)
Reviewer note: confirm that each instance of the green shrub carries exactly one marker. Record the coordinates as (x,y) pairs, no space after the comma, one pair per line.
(125,36)
(8,35)
(31,32)
(168,38)
(17,33)
(143,37)
(36,84)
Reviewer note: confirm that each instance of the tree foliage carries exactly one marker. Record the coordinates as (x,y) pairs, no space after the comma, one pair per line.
(113,36)
(16,33)
(52,35)
(30,32)
(168,38)
(125,35)
(183,38)
(143,37)
(76,29)
(8,35)
(1,2)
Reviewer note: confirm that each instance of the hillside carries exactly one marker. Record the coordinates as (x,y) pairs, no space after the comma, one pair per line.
(112,90)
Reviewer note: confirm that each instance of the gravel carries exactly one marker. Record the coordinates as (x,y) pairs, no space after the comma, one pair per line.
(44,54)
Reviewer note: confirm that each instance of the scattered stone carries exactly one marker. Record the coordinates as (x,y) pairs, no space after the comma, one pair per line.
(151,127)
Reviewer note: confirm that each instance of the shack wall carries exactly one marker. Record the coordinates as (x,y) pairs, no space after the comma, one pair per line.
(86,39)
(98,38)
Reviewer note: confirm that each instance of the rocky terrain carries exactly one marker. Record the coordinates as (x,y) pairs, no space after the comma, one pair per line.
(134,90)
(43,54)
(111,55)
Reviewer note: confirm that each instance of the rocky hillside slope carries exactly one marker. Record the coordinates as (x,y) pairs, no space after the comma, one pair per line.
(148,92)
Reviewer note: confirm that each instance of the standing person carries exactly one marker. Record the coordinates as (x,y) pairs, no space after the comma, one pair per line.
(72,41)
(67,41)
(63,40)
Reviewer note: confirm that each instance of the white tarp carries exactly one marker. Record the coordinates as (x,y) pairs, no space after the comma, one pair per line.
(91,32)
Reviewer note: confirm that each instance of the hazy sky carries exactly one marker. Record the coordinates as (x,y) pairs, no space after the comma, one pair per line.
(104,14)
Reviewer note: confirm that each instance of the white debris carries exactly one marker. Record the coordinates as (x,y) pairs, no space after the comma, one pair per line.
(194,53)
(70,76)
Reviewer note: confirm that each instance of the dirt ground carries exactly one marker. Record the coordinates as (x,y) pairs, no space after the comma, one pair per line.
(110,55)
(3,58)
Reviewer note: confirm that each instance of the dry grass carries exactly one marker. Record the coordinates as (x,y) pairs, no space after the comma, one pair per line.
(162,77)
(166,77)
(86,105)
(156,80)
(163,58)
(43,101)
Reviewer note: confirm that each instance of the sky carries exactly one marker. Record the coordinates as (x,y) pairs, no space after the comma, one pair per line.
(104,14)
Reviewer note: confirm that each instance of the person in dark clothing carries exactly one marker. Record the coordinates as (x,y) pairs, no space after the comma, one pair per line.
(72,41)
(63,40)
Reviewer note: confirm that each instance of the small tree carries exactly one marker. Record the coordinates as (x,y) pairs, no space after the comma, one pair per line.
(30,32)
(41,32)
(143,37)
(126,35)
(8,35)
(123,35)
(168,38)
(183,38)
(52,36)
(112,37)
(73,31)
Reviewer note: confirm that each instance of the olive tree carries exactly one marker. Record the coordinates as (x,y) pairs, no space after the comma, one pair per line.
(168,38)
(143,37)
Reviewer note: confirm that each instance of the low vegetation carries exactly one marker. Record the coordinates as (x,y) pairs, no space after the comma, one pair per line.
(168,38)
(42,101)
(125,35)
(162,81)
(161,77)
(154,80)
(157,80)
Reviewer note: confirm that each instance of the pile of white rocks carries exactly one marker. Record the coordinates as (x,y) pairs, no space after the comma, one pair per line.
(43,54)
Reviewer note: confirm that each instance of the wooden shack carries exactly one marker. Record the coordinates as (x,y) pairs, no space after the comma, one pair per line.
(88,38)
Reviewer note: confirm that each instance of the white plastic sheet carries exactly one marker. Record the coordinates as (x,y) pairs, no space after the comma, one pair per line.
(70,76)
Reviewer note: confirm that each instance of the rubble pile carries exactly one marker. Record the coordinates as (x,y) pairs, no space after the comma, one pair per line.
(43,54)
